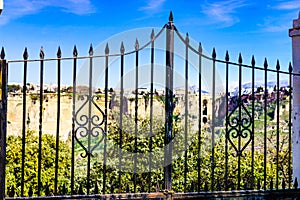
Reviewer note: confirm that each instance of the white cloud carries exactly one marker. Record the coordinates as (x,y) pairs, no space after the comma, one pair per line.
(288,5)
(14,9)
(153,5)
(223,11)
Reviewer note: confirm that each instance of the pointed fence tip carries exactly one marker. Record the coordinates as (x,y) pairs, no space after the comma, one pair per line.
(200,49)
(277,65)
(214,54)
(25,54)
(91,50)
(291,70)
(152,34)
(106,49)
(2,53)
(136,45)
(42,53)
(187,39)
(240,59)
(171,16)
(58,52)
(75,53)
(266,63)
(227,56)
(253,61)
(296,183)
(122,48)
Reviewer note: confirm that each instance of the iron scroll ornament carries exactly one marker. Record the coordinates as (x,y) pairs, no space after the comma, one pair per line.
(89,125)
(239,122)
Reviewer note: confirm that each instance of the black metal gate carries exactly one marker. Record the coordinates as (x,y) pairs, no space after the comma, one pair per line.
(136,143)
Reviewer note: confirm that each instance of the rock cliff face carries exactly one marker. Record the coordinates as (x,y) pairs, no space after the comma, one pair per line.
(49,125)
(49,111)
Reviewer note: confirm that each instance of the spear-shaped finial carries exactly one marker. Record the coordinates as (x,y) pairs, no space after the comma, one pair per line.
(122,49)
(171,17)
(91,51)
(58,52)
(2,55)
(136,45)
(75,53)
(200,49)
(25,54)
(106,49)
(42,54)
(227,56)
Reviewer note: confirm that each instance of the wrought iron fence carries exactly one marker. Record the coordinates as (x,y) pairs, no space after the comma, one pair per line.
(180,142)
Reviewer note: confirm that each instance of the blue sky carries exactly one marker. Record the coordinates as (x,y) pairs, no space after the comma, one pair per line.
(250,27)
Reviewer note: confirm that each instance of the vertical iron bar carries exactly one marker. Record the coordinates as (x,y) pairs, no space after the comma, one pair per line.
(136,111)
(227,121)
(240,119)
(277,131)
(122,50)
(106,117)
(151,109)
(200,117)
(75,53)
(290,124)
(3,122)
(265,123)
(91,52)
(213,121)
(186,110)
(25,56)
(169,103)
(57,119)
(253,111)
(42,55)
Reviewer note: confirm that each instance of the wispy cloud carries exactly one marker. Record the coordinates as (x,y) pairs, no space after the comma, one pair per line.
(18,8)
(153,6)
(223,12)
(288,5)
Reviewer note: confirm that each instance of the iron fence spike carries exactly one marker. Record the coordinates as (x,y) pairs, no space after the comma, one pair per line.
(122,49)
(205,187)
(91,50)
(258,184)
(283,184)
(277,65)
(192,186)
(227,56)
(214,54)
(152,34)
(171,18)
(271,184)
(80,190)
(64,189)
(240,59)
(291,70)
(296,183)
(42,53)
(265,63)
(106,49)
(200,48)
(187,39)
(136,46)
(96,189)
(25,54)
(30,191)
(253,61)
(75,53)
(58,52)
(2,53)
(127,188)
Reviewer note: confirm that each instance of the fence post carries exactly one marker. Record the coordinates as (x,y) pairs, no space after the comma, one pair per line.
(3,112)
(295,34)
(169,103)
